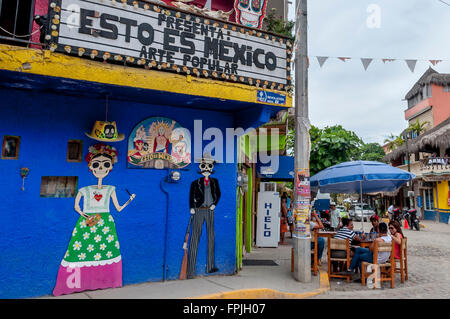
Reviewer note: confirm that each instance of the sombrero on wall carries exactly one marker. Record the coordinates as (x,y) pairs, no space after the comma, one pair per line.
(105,132)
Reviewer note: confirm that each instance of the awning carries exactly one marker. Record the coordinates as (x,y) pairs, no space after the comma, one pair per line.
(285,170)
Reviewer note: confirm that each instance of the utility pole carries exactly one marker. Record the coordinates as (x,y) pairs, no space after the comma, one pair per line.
(302,245)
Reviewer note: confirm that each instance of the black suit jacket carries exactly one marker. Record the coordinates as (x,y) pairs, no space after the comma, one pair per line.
(197,192)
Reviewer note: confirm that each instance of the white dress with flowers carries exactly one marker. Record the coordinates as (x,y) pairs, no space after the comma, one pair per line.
(92,246)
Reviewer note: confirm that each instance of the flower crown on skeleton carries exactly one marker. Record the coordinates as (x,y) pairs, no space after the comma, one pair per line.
(101,148)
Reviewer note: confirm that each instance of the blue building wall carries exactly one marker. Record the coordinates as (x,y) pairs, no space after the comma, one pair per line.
(35,231)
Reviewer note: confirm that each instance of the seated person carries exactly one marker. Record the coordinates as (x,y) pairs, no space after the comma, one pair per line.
(346,231)
(316,224)
(397,236)
(366,254)
(375,220)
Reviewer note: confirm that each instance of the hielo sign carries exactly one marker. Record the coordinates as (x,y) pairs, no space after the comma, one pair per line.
(144,34)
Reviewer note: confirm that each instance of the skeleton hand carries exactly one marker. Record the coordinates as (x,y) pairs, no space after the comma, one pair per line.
(212,207)
(133,196)
(185,246)
(192,211)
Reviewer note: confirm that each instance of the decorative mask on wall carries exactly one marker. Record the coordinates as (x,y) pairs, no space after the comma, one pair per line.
(250,13)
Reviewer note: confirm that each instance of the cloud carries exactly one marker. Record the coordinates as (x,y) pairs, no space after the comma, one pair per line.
(370,102)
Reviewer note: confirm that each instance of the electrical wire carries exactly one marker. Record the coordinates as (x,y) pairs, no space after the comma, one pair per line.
(21,36)
(444,2)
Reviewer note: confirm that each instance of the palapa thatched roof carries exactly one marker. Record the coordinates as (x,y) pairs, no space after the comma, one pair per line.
(437,137)
(429,77)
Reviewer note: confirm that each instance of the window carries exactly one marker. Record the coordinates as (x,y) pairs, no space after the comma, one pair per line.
(428,199)
(10,148)
(16,17)
(58,186)
(74,151)
(447,88)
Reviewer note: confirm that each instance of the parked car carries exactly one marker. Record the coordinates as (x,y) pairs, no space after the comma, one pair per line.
(355,212)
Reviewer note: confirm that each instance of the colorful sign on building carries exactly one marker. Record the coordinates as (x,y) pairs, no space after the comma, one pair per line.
(137,33)
(250,13)
(159,142)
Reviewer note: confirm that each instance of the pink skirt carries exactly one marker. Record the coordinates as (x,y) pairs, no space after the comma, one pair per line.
(79,279)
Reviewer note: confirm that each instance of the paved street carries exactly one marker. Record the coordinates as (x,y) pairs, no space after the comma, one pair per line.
(428,269)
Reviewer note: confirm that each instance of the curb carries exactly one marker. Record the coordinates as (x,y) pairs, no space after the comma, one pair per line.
(266,293)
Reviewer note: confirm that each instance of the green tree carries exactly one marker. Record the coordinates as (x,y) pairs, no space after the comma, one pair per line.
(417,127)
(331,146)
(278,25)
(371,152)
(393,142)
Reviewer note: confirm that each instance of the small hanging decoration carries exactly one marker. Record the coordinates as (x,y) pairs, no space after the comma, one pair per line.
(24,173)
(105,131)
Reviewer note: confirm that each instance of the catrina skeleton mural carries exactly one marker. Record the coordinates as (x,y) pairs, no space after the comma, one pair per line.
(250,13)
(159,142)
(93,260)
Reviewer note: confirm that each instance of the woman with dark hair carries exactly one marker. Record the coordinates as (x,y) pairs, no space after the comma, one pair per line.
(397,236)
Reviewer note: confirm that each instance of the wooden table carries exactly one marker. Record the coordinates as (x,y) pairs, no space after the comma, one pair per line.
(365,243)
(328,234)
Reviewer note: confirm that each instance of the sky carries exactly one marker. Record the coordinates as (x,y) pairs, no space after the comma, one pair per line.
(370,103)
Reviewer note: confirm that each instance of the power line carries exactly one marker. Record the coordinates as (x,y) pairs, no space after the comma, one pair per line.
(444,2)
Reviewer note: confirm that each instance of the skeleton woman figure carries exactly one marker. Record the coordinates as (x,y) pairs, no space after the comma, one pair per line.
(93,260)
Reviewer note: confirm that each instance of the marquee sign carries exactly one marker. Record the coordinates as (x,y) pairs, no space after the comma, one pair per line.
(140,33)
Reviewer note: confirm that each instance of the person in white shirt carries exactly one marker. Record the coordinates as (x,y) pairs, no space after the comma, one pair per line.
(335,216)
(366,254)
(391,211)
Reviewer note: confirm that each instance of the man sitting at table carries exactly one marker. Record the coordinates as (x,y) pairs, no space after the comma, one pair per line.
(346,231)
(364,254)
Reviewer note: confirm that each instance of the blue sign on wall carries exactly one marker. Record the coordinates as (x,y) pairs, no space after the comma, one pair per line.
(271,97)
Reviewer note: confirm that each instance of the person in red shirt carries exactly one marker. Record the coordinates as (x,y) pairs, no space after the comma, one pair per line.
(397,236)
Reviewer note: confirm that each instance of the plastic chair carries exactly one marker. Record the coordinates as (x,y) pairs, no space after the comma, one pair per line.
(386,269)
(338,245)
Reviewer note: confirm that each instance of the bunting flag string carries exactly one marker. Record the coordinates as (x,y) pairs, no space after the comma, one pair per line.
(366,62)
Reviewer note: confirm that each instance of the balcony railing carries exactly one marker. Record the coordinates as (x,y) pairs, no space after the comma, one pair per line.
(435,163)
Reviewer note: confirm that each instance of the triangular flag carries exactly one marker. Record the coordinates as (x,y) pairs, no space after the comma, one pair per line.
(321,60)
(343,59)
(411,64)
(434,62)
(366,62)
(388,60)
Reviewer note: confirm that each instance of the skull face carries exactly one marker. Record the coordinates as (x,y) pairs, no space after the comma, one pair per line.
(206,168)
(109,131)
(101,166)
(251,12)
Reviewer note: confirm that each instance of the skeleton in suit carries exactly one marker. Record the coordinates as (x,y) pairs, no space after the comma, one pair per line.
(203,198)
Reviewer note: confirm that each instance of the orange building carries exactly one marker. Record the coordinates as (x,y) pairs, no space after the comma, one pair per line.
(426,154)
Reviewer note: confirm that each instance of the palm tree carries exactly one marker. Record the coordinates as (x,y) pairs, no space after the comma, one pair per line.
(393,142)
(418,127)
(390,142)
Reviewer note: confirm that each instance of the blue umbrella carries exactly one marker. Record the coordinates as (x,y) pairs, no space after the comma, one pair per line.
(360,177)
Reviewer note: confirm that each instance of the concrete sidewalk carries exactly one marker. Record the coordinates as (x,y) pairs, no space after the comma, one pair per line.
(252,282)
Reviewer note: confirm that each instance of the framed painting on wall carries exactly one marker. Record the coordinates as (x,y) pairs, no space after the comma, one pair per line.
(159,142)
(10,148)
